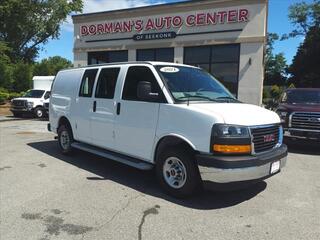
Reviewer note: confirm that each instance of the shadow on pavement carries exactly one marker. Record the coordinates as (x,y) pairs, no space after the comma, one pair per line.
(24,117)
(145,181)
(302,146)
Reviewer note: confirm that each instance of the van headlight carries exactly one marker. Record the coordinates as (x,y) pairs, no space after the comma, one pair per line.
(30,105)
(230,139)
(282,115)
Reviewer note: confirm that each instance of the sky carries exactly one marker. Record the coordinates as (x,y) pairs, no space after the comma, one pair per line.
(278,22)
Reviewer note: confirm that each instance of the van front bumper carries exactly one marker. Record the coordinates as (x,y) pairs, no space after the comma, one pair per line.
(233,169)
(20,110)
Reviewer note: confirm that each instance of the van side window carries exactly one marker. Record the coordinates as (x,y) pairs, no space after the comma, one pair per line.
(107,83)
(87,82)
(47,95)
(136,74)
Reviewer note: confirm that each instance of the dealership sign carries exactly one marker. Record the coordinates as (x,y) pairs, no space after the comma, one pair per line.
(154,36)
(166,22)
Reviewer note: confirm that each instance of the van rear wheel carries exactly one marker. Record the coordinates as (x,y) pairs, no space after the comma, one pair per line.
(177,172)
(65,139)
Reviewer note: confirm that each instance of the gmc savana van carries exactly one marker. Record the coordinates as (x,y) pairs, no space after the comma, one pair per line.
(175,118)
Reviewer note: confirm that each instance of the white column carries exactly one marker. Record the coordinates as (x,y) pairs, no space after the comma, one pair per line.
(251,73)
(80,59)
(132,55)
(178,54)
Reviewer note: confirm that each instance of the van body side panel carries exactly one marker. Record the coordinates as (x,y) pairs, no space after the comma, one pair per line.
(64,89)
(135,129)
(181,121)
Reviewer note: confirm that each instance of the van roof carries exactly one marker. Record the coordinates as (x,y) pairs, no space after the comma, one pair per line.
(154,63)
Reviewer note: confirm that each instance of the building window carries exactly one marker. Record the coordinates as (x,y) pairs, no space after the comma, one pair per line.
(107,57)
(156,54)
(222,61)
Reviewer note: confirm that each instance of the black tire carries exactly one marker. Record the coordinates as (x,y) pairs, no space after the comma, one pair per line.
(39,112)
(192,181)
(63,133)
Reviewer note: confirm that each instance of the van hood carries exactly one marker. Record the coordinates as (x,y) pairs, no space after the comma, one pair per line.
(238,113)
(25,98)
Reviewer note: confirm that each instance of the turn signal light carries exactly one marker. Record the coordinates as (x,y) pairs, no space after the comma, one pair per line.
(232,148)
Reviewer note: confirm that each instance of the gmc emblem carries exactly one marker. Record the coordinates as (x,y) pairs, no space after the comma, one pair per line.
(269,138)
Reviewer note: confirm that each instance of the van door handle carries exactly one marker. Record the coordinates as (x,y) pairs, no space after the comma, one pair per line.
(118,108)
(94,106)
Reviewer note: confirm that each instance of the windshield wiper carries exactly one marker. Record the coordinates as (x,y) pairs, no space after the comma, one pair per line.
(196,96)
(228,98)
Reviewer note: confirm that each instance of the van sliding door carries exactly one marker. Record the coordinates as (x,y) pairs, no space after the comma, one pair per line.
(84,106)
(103,116)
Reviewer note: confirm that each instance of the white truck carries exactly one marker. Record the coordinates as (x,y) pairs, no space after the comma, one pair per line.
(175,118)
(36,100)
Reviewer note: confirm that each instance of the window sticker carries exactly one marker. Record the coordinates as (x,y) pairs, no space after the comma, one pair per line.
(169,69)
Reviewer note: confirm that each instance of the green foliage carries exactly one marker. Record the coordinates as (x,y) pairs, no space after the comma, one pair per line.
(275,91)
(51,66)
(3,97)
(275,65)
(14,95)
(303,16)
(18,77)
(26,25)
(22,74)
(5,67)
(6,95)
(271,96)
(305,68)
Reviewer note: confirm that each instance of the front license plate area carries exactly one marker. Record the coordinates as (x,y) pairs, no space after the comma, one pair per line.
(275,167)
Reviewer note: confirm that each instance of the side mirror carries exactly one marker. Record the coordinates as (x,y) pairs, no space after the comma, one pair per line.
(144,92)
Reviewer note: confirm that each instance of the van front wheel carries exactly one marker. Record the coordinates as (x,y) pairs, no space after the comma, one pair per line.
(65,139)
(39,112)
(177,172)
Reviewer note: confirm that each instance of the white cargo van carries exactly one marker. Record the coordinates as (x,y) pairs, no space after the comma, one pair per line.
(175,118)
(35,100)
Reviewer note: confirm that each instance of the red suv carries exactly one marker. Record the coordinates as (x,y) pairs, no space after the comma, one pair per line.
(299,111)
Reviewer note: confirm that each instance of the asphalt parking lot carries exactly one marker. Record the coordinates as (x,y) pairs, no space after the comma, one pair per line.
(45,195)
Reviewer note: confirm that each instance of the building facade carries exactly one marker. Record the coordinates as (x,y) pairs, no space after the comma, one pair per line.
(225,37)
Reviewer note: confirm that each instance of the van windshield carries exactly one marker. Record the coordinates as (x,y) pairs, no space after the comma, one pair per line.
(34,94)
(193,84)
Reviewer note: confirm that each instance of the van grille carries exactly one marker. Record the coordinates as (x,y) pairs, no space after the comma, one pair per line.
(265,137)
(305,120)
(19,103)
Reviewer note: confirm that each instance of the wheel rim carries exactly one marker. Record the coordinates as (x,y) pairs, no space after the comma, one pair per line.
(39,113)
(174,172)
(65,140)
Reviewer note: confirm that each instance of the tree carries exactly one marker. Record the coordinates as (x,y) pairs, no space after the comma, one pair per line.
(51,66)
(275,65)
(26,24)
(303,16)
(22,77)
(305,68)
(5,67)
